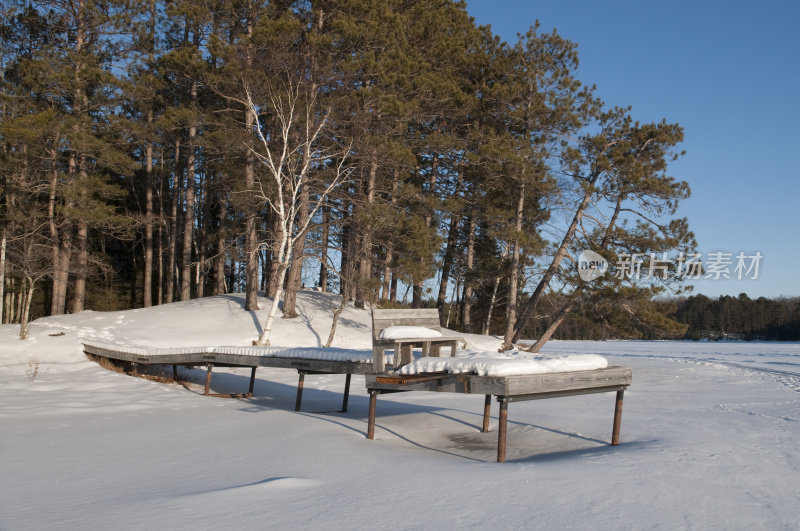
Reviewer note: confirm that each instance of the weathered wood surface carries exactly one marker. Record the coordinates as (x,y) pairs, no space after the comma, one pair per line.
(234,360)
(507,389)
(516,388)
(446,383)
(531,384)
(303,366)
(423,317)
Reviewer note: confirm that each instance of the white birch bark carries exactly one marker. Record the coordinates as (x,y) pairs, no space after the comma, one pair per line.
(289,165)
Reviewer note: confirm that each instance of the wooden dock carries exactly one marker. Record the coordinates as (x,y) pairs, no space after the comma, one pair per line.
(209,360)
(506,389)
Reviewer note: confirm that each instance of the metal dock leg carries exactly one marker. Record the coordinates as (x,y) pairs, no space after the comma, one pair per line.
(252,381)
(208,378)
(299,390)
(617,419)
(487,410)
(373,399)
(502,429)
(346,393)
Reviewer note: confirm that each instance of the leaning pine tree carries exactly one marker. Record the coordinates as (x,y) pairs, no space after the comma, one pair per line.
(624,208)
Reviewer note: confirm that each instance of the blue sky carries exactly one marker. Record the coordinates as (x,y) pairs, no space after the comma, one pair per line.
(729,73)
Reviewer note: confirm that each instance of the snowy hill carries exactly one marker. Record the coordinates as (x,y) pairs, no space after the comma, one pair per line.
(218,320)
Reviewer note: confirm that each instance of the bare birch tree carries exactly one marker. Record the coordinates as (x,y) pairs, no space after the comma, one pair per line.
(292,153)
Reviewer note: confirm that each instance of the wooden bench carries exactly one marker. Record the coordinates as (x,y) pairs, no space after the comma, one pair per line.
(402,347)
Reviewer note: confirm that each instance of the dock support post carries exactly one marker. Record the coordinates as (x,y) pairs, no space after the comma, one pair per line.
(252,381)
(299,390)
(208,378)
(373,399)
(346,393)
(617,419)
(502,429)
(487,410)
(174,373)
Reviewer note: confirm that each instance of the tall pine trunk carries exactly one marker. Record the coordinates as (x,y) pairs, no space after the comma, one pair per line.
(295,273)
(466,299)
(161,225)
(173,224)
(449,254)
(61,237)
(325,241)
(82,243)
(250,238)
(81,265)
(200,243)
(219,259)
(2,273)
(188,220)
(147,280)
(388,281)
(514,273)
(366,230)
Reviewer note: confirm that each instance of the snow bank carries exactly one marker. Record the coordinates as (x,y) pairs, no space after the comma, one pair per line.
(506,363)
(313,353)
(476,362)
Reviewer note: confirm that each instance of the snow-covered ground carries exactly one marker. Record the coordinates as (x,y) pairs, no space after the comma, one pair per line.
(710,437)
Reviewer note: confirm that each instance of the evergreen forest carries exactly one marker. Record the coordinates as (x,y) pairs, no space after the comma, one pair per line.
(392,152)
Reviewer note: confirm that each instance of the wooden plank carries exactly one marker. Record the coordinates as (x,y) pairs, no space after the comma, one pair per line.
(409,378)
(548,382)
(562,381)
(234,360)
(430,340)
(447,383)
(567,392)
(321,366)
(403,313)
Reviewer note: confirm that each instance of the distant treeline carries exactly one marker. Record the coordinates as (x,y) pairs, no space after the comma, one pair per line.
(740,318)
(696,317)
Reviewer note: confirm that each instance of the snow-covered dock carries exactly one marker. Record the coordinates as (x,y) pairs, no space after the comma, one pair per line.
(506,388)
(305,360)
(572,379)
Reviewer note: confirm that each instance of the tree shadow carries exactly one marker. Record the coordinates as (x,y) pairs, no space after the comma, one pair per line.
(240,303)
